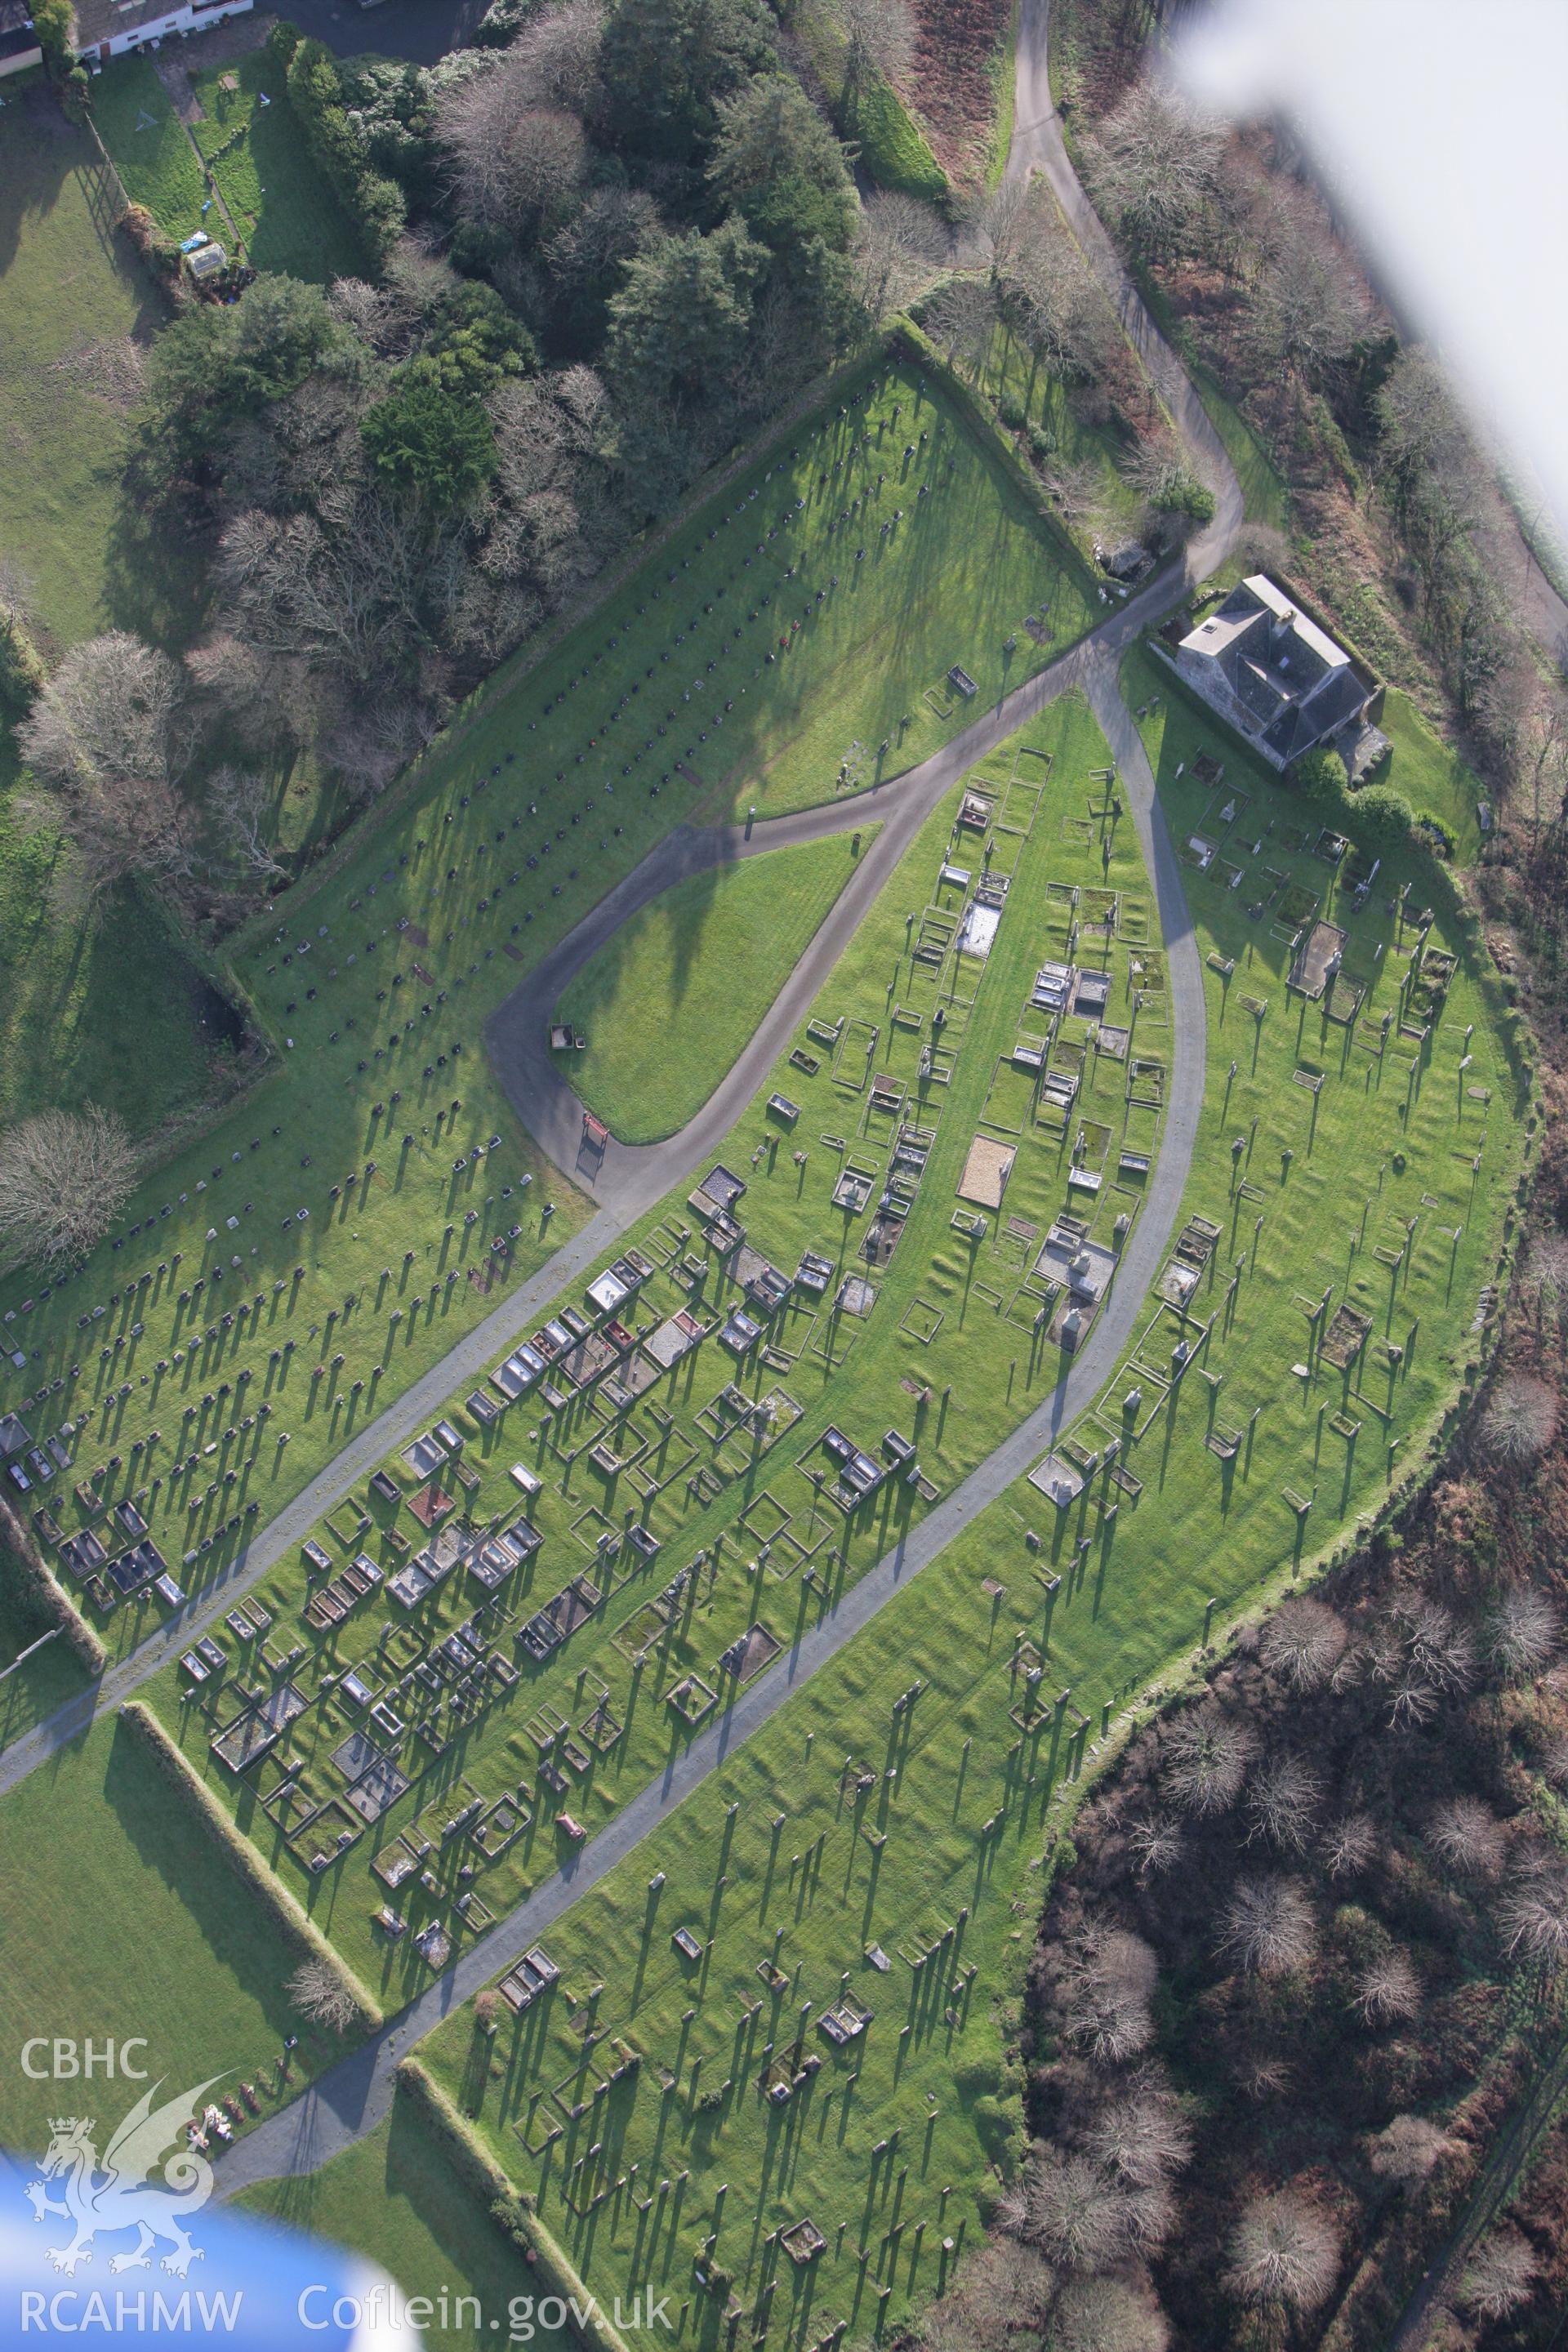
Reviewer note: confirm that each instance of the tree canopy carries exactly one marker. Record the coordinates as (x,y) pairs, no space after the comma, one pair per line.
(668,64)
(432,445)
(682,317)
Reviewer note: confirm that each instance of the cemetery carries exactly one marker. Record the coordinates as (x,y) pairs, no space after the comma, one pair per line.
(712,1443)
(870,1834)
(285,1274)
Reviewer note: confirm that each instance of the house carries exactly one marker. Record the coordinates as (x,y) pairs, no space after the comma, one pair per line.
(108,28)
(18,42)
(1280,679)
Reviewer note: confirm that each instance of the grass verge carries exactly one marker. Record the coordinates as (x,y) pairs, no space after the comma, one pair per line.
(669,1003)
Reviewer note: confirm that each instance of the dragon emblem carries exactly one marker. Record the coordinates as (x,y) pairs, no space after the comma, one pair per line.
(100,2198)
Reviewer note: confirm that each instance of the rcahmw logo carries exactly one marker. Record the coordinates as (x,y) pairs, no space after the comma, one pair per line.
(102,2197)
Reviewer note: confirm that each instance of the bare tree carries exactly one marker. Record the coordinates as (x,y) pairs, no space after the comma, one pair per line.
(1119,2314)
(1156,1843)
(1303,1641)
(1520,1418)
(877,38)
(1548,1267)
(107,732)
(1422,1655)
(1521,1634)
(1267,1926)
(963,318)
(1141,2136)
(513,132)
(1004,2292)
(1348,1844)
(1107,1978)
(1554,1763)
(899,245)
(320,1993)
(1469,1837)
(1051,295)
(1153,166)
(241,803)
(1407,2150)
(1283,1800)
(1077,486)
(1206,1753)
(1075,2216)
(64,1176)
(1499,2276)
(1532,1913)
(1309,305)
(1284,2252)
(1387,1990)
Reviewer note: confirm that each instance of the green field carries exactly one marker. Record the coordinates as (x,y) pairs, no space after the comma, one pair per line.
(396,2198)
(667,1005)
(69,370)
(284,210)
(890,142)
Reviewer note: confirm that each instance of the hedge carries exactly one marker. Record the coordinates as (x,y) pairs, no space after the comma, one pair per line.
(338,147)
(243,1859)
(511,2212)
(52,1601)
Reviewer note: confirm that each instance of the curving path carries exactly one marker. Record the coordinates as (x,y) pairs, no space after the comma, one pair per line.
(352,2096)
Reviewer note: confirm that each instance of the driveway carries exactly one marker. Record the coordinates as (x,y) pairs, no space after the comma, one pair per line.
(419,30)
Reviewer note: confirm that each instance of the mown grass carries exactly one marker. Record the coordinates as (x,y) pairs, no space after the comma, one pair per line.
(49,1676)
(668,1003)
(68,364)
(149,147)
(778,1859)
(284,210)
(1010,375)
(1432,776)
(396,2198)
(99,1860)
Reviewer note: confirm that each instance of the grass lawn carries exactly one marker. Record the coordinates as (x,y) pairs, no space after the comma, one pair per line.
(1433,778)
(49,1677)
(87,1009)
(75,315)
(284,210)
(149,147)
(668,1003)
(789,1865)
(1010,372)
(99,1860)
(1264,495)
(102,1010)
(396,2198)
